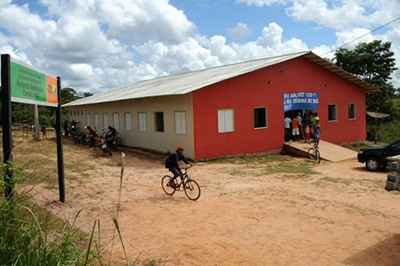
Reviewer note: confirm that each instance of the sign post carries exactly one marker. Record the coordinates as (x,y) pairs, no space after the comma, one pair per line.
(23,84)
(36,129)
(60,156)
(6,124)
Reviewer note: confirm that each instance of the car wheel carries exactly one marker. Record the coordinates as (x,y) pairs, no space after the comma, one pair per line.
(372,165)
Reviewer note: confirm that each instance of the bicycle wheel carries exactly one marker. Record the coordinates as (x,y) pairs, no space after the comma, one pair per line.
(192,189)
(311,153)
(166,182)
(317,156)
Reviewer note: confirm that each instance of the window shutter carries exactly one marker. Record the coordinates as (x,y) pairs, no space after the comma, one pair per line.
(128,121)
(105,120)
(225,121)
(116,121)
(87,118)
(180,122)
(142,122)
(221,121)
(96,121)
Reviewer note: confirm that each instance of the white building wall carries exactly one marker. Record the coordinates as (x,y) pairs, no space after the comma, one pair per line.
(150,138)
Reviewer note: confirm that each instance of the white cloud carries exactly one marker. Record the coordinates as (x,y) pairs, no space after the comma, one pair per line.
(131,21)
(101,44)
(201,52)
(239,31)
(261,2)
(142,20)
(347,38)
(345,14)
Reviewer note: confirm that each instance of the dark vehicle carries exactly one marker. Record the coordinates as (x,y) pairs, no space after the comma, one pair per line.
(376,158)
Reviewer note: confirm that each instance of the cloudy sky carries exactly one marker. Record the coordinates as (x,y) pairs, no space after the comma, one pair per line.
(95,45)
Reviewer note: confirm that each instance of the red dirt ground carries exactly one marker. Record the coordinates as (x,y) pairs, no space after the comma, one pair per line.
(340,216)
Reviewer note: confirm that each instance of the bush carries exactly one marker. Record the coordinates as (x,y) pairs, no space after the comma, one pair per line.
(390,131)
(32,236)
(387,132)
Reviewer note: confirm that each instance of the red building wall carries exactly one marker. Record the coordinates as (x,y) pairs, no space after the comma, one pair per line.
(265,88)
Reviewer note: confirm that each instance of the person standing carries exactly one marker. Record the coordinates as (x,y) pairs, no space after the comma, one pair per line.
(66,128)
(300,121)
(110,136)
(307,133)
(316,128)
(315,120)
(295,129)
(317,134)
(288,132)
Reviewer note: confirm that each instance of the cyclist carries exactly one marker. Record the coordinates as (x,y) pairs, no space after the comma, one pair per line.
(317,134)
(172,162)
(92,136)
(110,136)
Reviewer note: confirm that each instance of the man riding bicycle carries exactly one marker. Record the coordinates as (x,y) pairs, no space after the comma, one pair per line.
(172,162)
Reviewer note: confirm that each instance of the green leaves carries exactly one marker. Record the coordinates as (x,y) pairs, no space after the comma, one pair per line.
(373,62)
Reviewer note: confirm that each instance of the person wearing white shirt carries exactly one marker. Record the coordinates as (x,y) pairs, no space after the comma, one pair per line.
(288,131)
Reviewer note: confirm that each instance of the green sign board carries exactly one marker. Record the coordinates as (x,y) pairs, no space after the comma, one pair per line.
(32,87)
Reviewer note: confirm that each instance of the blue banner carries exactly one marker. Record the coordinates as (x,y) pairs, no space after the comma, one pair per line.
(300,101)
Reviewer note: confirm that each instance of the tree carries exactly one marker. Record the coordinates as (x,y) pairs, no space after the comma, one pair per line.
(373,62)
(68,95)
(87,94)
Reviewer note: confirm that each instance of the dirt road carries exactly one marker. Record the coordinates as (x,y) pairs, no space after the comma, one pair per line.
(340,215)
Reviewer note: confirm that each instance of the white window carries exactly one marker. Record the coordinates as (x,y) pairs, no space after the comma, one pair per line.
(106,123)
(128,121)
(142,122)
(225,121)
(116,120)
(180,122)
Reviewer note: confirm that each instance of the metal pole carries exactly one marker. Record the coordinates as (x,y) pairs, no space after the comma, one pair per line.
(36,134)
(6,124)
(60,156)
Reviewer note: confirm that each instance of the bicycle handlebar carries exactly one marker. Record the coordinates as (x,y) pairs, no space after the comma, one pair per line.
(187,167)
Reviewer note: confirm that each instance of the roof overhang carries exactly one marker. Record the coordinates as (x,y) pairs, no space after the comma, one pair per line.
(369,88)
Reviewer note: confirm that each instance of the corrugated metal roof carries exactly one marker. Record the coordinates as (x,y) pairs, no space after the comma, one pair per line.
(184,83)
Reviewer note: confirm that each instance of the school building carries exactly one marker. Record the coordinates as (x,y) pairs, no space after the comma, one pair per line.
(233,109)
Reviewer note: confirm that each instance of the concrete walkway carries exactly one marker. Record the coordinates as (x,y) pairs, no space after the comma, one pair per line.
(329,151)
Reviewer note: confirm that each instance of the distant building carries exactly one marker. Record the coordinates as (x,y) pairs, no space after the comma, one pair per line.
(233,109)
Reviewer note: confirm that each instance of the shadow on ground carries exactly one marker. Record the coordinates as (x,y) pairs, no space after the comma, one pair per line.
(363,169)
(384,253)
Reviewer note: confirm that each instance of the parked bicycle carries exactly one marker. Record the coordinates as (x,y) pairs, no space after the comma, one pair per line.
(191,188)
(313,152)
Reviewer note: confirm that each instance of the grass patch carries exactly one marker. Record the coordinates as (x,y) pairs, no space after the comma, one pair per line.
(29,235)
(267,165)
(257,159)
(357,146)
(38,162)
(334,180)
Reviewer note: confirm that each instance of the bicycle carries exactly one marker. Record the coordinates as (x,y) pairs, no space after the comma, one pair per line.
(313,152)
(191,188)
